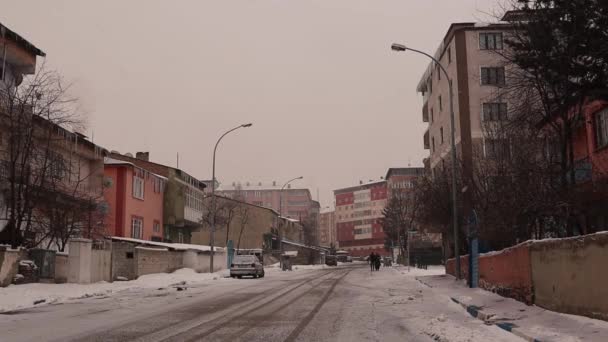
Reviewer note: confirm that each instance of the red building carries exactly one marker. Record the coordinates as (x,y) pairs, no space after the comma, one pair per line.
(135,199)
(590,147)
(358,218)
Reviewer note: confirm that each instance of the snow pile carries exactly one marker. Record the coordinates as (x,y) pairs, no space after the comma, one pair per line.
(416,272)
(23,296)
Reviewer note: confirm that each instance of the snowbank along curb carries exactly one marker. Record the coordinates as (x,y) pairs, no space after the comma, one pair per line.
(476,312)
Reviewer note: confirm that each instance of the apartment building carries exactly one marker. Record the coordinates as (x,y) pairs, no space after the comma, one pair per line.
(297,202)
(182,197)
(402,179)
(327,228)
(58,171)
(358,218)
(135,201)
(470,52)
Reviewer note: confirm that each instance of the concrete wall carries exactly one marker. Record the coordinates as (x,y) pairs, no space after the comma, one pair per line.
(176,260)
(80,261)
(123,260)
(9,264)
(101,265)
(568,276)
(558,274)
(507,273)
(61,268)
(151,260)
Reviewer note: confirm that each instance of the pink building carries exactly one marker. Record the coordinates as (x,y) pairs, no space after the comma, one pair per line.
(135,199)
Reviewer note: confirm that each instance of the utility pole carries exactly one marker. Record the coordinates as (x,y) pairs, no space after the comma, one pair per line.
(213,204)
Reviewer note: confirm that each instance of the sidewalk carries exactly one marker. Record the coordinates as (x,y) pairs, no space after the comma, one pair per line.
(532,323)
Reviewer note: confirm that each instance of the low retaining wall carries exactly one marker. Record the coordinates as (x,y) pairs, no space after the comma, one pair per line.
(151,260)
(568,275)
(558,274)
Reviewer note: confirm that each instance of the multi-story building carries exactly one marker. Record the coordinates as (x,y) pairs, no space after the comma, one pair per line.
(297,203)
(135,201)
(358,218)
(327,229)
(59,172)
(402,179)
(183,197)
(470,54)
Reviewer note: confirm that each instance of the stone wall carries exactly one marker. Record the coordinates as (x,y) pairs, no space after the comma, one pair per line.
(101,265)
(176,260)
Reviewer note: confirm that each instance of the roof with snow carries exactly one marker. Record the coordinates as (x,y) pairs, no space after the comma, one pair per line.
(170,246)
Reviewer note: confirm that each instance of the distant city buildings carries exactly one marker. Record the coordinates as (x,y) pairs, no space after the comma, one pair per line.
(358,218)
(327,229)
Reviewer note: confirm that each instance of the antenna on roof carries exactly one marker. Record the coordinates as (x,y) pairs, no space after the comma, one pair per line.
(177,162)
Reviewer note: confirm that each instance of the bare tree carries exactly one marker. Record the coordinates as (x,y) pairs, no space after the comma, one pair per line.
(399,217)
(37,117)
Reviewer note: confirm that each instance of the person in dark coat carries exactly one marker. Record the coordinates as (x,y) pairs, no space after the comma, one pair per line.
(372,261)
(377,263)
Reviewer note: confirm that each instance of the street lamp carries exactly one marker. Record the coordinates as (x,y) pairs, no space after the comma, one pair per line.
(400,48)
(280,216)
(212,233)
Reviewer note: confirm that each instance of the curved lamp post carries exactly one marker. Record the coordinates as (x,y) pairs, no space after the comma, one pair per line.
(280,216)
(401,48)
(212,233)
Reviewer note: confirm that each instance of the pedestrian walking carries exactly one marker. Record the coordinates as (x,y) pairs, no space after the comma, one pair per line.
(372,261)
(378,263)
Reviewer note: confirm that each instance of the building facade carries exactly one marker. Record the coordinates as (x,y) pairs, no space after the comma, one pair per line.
(358,218)
(402,179)
(182,197)
(470,52)
(327,229)
(135,201)
(297,203)
(64,175)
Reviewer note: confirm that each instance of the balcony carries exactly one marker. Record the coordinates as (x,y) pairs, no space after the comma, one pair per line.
(427,144)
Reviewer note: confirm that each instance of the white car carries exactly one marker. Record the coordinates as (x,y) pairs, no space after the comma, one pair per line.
(246,265)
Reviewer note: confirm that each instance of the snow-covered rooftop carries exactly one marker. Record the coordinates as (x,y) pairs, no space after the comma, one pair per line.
(174,246)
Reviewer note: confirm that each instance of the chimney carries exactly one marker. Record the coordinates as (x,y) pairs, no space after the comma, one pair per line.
(145,156)
(274,183)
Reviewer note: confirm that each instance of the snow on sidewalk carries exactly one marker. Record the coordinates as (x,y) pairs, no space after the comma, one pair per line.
(24,296)
(532,321)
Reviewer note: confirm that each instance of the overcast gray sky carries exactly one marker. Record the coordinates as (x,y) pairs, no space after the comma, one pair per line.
(327,97)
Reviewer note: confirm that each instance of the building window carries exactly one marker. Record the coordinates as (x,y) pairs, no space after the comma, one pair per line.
(493,76)
(430,83)
(156,227)
(440,104)
(449,55)
(432,115)
(438,71)
(137,227)
(57,165)
(601,128)
(158,185)
(441,130)
(494,111)
(433,143)
(490,41)
(496,148)
(180,237)
(138,187)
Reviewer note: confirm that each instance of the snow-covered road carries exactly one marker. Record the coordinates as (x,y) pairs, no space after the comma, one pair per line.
(345,303)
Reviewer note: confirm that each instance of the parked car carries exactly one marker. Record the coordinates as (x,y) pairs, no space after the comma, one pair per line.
(331,260)
(349,258)
(246,265)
